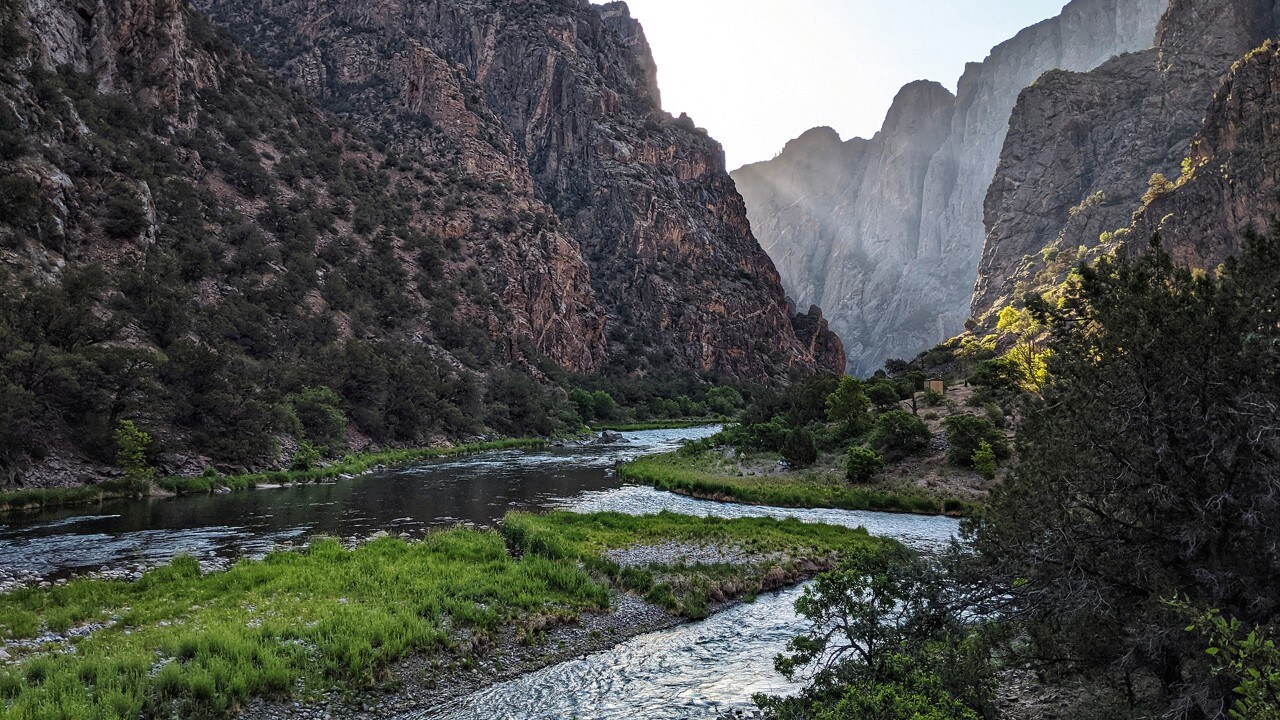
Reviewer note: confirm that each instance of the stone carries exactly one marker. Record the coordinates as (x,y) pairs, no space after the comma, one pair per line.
(885,234)
(1082,148)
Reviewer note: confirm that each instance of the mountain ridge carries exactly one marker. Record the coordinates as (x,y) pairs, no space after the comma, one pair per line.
(890,293)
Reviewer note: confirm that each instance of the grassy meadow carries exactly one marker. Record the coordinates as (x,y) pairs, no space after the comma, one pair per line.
(182,643)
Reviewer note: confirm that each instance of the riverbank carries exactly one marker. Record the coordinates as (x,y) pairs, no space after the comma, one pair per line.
(710,475)
(298,625)
(350,465)
(655,425)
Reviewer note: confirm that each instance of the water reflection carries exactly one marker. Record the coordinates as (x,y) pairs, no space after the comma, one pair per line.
(475,490)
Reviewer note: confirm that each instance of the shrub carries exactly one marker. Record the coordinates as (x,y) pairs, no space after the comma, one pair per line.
(125,217)
(319,411)
(862,464)
(984,460)
(999,375)
(966,432)
(850,407)
(898,433)
(307,457)
(799,449)
(933,399)
(883,394)
(132,444)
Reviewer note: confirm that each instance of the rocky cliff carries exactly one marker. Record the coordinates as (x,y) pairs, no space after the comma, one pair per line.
(1086,150)
(191,242)
(572,88)
(886,233)
(1231,182)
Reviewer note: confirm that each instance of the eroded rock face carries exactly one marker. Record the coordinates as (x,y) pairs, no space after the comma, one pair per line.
(1232,183)
(1082,147)
(886,234)
(568,91)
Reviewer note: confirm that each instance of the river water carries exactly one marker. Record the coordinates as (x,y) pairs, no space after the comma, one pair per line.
(698,670)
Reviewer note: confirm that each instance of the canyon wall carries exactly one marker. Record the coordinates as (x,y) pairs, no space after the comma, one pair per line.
(886,234)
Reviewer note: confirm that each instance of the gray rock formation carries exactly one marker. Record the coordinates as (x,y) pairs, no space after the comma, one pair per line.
(885,234)
(1083,148)
(1232,183)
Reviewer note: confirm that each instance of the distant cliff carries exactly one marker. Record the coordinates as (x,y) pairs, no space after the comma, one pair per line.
(1084,150)
(886,234)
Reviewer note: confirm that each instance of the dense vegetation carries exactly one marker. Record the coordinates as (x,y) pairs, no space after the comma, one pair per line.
(303,288)
(828,442)
(178,643)
(1130,557)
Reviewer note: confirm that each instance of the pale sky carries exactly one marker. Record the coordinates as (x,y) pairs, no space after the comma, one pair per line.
(757,73)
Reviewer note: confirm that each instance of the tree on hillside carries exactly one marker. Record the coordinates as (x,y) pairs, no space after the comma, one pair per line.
(1150,467)
(849,407)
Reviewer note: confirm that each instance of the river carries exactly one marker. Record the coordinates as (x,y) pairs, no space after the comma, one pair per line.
(697,670)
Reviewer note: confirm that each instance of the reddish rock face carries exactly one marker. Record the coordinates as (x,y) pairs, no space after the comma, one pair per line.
(559,100)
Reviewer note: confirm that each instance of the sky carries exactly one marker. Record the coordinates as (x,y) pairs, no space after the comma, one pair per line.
(757,73)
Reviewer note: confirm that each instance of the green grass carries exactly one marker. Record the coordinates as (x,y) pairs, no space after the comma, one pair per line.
(349,465)
(184,644)
(675,472)
(653,425)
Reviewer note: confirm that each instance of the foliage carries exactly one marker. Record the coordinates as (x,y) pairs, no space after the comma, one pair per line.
(798,449)
(862,464)
(1149,466)
(887,641)
(724,400)
(307,457)
(883,394)
(132,444)
(984,460)
(691,475)
(966,433)
(898,433)
(1246,656)
(850,407)
(1027,353)
(319,411)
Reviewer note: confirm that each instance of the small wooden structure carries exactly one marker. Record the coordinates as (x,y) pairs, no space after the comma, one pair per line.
(936,385)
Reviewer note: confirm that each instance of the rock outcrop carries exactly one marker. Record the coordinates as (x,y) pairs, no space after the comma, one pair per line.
(571,89)
(1231,183)
(885,234)
(1085,150)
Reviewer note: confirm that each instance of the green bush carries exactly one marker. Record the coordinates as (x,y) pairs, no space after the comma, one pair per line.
(898,433)
(125,217)
(850,407)
(132,445)
(319,411)
(966,432)
(799,449)
(883,394)
(862,464)
(984,460)
(307,457)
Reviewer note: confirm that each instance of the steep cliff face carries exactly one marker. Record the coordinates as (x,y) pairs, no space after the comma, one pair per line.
(1083,148)
(189,242)
(893,283)
(1231,183)
(186,242)
(573,90)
